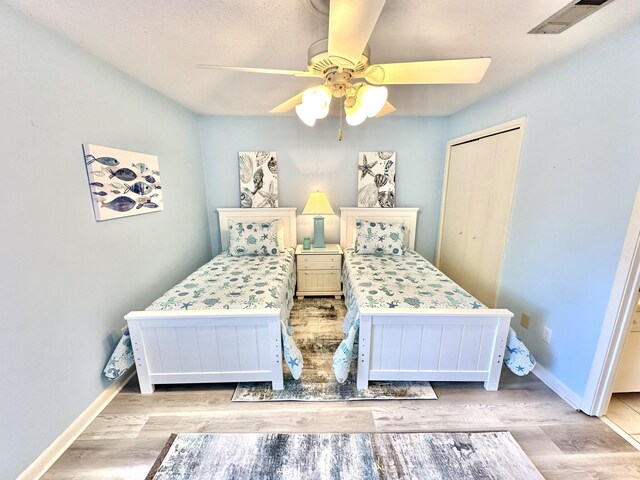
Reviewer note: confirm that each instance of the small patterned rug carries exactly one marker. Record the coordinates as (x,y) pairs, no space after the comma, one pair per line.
(371,456)
(316,326)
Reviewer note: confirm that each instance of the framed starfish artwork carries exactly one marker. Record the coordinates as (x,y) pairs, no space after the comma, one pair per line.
(377,179)
(122,183)
(258,179)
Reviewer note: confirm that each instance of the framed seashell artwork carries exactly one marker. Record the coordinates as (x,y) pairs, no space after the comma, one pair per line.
(122,183)
(258,179)
(377,179)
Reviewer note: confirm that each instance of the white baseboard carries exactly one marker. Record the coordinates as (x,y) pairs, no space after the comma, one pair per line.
(47,458)
(551,381)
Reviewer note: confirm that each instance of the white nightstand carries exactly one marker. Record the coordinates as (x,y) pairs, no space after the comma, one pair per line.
(319,271)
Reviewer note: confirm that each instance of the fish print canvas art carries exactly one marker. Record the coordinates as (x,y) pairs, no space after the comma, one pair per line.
(377,179)
(121,182)
(258,179)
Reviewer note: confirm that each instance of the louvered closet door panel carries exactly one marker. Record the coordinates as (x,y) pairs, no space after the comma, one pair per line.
(483,159)
(458,196)
(496,227)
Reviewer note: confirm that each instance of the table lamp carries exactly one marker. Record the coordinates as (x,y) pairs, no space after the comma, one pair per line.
(318,205)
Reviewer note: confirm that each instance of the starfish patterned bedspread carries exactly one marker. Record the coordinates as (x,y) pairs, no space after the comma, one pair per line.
(230,282)
(405,281)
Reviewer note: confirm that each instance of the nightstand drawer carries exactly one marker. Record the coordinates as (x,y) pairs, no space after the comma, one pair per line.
(319,281)
(319,262)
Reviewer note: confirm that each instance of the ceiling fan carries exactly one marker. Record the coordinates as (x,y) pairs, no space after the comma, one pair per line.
(342,61)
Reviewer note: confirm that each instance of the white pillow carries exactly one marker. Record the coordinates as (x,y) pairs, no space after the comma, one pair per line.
(253,238)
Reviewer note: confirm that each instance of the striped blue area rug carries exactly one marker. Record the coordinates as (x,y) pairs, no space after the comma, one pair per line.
(442,456)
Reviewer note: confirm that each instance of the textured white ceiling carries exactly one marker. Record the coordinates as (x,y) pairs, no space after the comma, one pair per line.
(159,42)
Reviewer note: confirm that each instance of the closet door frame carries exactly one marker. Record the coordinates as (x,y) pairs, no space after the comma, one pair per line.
(518,123)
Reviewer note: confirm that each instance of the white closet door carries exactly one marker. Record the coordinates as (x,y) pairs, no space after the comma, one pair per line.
(498,216)
(484,161)
(457,207)
(477,208)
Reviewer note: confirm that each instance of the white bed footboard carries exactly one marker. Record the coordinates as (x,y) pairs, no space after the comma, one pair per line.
(206,346)
(432,345)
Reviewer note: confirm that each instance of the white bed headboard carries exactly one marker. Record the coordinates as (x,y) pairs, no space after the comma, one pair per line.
(349,215)
(286,217)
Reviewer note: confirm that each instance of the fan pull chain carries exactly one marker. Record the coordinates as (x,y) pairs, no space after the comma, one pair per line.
(340,129)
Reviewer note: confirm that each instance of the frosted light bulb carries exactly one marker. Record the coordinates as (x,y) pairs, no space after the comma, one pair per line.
(355,114)
(373,99)
(317,100)
(305,115)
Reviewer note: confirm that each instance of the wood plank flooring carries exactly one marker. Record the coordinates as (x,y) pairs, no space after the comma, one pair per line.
(624,411)
(125,439)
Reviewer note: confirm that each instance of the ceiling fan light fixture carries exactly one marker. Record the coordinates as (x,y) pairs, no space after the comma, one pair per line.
(315,104)
(373,99)
(308,117)
(320,114)
(356,114)
(317,98)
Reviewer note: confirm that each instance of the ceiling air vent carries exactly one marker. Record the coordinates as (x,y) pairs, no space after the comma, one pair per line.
(570,15)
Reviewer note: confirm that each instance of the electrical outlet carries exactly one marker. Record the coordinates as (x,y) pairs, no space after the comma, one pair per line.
(546,334)
(525,319)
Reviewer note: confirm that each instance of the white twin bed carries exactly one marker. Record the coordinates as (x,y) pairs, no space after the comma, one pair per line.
(216,342)
(407,330)
(394,341)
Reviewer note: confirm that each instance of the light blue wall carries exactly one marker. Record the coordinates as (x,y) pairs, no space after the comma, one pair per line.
(65,280)
(579,173)
(312,159)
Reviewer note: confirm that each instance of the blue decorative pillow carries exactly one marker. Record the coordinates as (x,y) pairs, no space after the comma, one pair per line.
(378,238)
(253,238)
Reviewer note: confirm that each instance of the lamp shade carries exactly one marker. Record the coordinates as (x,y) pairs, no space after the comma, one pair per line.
(306,115)
(356,114)
(373,99)
(318,204)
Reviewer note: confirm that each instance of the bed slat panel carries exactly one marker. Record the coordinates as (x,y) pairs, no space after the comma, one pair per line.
(391,340)
(262,335)
(150,341)
(410,347)
(469,347)
(431,346)
(377,334)
(488,339)
(451,338)
(247,342)
(207,345)
(169,350)
(228,348)
(188,349)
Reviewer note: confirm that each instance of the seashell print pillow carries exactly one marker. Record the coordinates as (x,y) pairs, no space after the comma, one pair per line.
(253,238)
(379,238)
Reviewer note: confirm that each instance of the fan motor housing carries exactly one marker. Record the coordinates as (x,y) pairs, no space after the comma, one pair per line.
(320,63)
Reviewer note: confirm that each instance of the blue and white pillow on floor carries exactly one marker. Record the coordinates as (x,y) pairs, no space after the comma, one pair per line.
(517,356)
(121,359)
(346,352)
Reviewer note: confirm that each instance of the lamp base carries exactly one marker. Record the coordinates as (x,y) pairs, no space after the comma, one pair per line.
(318,232)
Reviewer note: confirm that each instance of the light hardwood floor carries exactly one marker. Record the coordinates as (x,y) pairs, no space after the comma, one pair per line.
(125,439)
(624,411)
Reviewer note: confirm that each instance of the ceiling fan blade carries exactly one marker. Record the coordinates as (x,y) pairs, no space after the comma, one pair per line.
(350,25)
(288,104)
(274,71)
(466,70)
(387,108)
